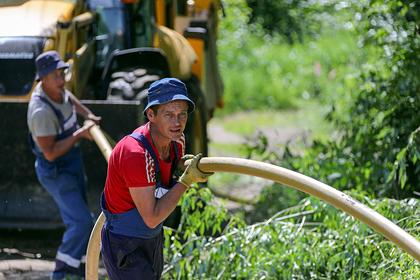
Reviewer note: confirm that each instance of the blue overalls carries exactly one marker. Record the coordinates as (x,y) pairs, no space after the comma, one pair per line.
(64,179)
(130,249)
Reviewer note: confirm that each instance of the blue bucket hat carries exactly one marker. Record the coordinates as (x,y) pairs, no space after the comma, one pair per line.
(166,90)
(47,62)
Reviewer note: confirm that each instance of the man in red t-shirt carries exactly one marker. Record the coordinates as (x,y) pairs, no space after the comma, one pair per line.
(141,190)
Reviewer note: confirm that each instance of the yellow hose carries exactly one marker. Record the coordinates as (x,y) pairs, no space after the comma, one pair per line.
(100,140)
(93,248)
(320,190)
(292,179)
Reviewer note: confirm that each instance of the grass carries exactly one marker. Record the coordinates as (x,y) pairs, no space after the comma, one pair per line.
(226,149)
(267,75)
(310,117)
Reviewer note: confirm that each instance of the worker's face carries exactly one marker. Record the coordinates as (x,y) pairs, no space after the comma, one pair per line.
(170,119)
(53,83)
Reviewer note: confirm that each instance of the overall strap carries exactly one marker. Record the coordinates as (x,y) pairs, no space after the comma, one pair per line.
(174,164)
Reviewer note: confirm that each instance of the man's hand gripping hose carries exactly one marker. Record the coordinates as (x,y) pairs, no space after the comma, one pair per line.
(192,173)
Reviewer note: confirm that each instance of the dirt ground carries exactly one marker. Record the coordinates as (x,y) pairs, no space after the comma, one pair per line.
(32,269)
(29,254)
(17,265)
(25,269)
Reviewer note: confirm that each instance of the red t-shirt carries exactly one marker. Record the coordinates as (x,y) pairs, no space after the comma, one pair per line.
(131,166)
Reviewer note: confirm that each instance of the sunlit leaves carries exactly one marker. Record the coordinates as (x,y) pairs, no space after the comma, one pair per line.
(309,241)
(379,129)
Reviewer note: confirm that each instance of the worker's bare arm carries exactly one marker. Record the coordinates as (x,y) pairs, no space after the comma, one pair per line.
(52,149)
(83,110)
(154,211)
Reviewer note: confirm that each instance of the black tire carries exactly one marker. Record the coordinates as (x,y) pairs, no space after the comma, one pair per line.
(128,85)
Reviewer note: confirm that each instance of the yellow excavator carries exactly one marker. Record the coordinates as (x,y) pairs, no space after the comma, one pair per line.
(116,49)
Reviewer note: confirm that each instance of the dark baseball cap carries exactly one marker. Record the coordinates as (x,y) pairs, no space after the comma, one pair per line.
(47,62)
(166,90)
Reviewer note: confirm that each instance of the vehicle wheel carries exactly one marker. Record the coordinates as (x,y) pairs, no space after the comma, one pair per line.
(131,84)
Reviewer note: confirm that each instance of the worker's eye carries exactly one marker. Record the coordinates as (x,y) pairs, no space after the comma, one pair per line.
(183,115)
(169,116)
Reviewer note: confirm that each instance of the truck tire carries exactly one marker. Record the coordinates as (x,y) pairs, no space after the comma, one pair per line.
(131,84)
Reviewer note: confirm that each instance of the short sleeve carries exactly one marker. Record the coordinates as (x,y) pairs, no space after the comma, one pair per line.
(44,124)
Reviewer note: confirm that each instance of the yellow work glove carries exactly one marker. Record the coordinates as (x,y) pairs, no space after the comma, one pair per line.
(180,168)
(192,173)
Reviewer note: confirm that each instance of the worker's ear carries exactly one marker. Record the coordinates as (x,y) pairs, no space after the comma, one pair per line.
(149,113)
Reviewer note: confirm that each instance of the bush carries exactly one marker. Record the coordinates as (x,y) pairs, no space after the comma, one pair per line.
(379,147)
(309,241)
(292,20)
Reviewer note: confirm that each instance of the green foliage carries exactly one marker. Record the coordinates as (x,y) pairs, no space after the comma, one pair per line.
(200,219)
(384,117)
(273,199)
(309,241)
(375,152)
(379,146)
(291,19)
(279,16)
(261,73)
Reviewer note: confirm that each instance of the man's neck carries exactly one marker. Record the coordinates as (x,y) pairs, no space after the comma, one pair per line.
(163,145)
(56,97)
